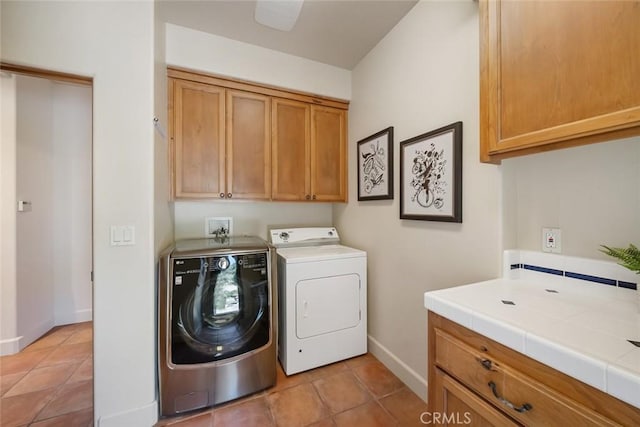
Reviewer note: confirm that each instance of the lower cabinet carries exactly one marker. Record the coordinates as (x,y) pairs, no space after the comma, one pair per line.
(473,377)
(455,404)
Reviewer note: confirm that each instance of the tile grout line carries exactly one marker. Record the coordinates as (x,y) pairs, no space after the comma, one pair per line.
(35,368)
(324,402)
(57,389)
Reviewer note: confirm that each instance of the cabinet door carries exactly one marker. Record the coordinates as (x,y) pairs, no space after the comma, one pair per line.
(457,405)
(198,112)
(290,150)
(248,145)
(328,154)
(559,72)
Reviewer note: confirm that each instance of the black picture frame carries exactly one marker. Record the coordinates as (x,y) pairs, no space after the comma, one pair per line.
(375,166)
(431,175)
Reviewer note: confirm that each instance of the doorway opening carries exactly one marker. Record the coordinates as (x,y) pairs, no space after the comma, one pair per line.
(47,249)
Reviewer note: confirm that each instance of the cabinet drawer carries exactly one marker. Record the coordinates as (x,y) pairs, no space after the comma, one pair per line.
(517,394)
(456,405)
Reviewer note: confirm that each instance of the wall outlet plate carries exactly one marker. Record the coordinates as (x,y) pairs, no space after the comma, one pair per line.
(551,240)
(218,226)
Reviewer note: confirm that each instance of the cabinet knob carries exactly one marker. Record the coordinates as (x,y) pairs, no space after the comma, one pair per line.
(486,364)
(314,197)
(222,195)
(229,195)
(308,197)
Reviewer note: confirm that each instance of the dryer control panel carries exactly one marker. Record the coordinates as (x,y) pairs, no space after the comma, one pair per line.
(304,236)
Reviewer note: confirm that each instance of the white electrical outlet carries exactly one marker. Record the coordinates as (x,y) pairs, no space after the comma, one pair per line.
(552,240)
(218,226)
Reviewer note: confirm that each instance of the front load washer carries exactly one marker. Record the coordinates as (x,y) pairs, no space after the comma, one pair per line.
(216,322)
(322,298)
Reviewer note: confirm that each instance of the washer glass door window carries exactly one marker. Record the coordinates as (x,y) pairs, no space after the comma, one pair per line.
(220,307)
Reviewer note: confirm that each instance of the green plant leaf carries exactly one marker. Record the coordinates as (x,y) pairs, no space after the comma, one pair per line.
(627,257)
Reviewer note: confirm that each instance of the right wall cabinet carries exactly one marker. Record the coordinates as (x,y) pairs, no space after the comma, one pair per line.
(557,74)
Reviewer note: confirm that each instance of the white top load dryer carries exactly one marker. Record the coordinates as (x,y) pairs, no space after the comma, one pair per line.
(322,296)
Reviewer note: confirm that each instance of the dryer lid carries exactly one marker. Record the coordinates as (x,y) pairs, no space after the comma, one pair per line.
(318,253)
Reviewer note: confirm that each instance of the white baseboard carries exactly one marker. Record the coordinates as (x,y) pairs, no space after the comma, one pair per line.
(16,344)
(36,332)
(411,378)
(145,416)
(10,346)
(77,316)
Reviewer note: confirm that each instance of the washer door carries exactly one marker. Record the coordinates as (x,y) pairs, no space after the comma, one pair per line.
(221,309)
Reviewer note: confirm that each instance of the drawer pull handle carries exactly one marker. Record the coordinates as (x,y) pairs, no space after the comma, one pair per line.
(524,408)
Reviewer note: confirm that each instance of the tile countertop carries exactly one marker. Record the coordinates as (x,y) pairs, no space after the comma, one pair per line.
(578,327)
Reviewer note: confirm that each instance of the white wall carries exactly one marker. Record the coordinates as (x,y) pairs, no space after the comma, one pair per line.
(163,211)
(591,193)
(71,203)
(252,218)
(218,55)
(35,232)
(113,43)
(9,341)
(423,75)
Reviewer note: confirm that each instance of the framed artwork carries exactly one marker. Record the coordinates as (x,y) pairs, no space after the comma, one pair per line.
(431,175)
(375,166)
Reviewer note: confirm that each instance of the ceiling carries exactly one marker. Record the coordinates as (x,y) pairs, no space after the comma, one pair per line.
(335,32)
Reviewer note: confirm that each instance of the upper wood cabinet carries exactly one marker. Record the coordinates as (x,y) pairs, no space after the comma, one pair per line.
(291,150)
(309,152)
(248,147)
(222,142)
(328,154)
(199,142)
(557,74)
(236,140)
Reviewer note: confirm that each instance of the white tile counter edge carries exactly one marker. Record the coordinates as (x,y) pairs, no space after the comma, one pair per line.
(610,378)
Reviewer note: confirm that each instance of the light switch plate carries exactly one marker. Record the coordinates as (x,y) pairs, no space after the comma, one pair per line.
(123,235)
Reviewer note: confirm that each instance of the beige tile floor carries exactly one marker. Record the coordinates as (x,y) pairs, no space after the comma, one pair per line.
(50,383)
